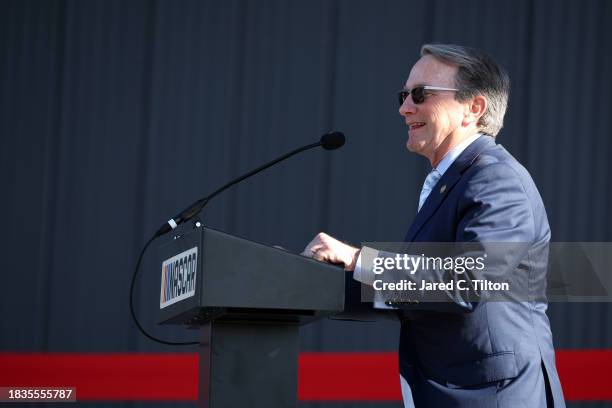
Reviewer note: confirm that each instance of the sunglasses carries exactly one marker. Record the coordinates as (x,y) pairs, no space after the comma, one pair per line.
(418,93)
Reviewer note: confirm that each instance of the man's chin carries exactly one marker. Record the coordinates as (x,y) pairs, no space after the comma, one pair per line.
(412,146)
(417,148)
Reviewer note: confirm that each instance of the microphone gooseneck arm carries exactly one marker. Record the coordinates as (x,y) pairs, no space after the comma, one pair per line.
(257,170)
(196,207)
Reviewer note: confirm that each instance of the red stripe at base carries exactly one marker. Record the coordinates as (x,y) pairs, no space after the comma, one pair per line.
(348,377)
(102,376)
(322,376)
(585,374)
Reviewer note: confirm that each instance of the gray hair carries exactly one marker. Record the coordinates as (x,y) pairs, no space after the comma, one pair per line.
(477,74)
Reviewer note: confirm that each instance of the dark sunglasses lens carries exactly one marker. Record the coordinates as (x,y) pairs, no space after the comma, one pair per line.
(418,95)
(402,95)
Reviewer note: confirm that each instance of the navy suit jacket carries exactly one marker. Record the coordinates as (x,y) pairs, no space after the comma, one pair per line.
(484,354)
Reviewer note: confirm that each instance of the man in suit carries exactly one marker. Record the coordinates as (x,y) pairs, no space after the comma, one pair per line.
(468,353)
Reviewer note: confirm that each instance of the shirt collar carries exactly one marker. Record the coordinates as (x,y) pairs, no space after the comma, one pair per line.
(450,157)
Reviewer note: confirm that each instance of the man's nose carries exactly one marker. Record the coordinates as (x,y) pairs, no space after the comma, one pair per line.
(408,107)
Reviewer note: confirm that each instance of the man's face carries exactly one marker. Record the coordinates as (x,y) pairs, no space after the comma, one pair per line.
(439,116)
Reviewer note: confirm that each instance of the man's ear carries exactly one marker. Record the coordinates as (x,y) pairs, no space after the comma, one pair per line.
(474,109)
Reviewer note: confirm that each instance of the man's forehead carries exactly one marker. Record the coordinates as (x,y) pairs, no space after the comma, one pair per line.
(430,71)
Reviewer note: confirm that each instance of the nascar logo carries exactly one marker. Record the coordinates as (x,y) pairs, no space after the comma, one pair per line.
(178,277)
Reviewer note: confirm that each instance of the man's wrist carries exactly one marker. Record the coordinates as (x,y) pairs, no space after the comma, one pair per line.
(349,267)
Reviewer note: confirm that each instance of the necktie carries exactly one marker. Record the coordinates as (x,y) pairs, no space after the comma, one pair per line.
(428,185)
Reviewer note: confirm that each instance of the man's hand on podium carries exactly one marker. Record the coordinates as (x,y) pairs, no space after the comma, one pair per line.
(328,249)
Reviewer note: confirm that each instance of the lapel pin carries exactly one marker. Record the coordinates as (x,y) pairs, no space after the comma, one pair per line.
(443,189)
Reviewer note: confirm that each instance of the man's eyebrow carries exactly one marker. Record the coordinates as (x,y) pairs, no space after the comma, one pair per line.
(413,86)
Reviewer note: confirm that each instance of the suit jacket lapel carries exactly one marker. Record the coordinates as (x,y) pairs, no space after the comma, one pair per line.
(446,183)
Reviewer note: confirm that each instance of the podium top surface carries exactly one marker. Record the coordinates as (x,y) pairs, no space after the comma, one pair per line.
(224,275)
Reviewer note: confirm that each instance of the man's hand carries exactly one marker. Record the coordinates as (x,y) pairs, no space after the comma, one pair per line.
(328,249)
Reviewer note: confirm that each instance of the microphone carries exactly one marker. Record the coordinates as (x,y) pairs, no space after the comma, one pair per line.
(329,141)
(332,140)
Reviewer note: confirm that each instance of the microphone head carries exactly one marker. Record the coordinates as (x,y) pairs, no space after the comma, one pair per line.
(332,140)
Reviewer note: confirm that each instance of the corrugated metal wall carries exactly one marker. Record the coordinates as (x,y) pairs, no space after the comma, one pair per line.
(114,115)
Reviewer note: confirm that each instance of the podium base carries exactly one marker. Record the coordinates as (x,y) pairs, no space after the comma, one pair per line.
(248,364)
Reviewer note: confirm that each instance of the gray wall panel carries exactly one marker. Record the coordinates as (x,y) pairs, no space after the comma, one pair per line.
(115,115)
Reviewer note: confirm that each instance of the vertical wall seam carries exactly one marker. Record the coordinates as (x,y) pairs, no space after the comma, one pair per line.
(430,7)
(50,186)
(236,126)
(328,111)
(143,160)
(528,69)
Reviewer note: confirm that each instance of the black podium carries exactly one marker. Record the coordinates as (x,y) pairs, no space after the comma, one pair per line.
(248,300)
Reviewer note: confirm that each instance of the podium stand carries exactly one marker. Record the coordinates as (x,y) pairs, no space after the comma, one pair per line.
(248,301)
